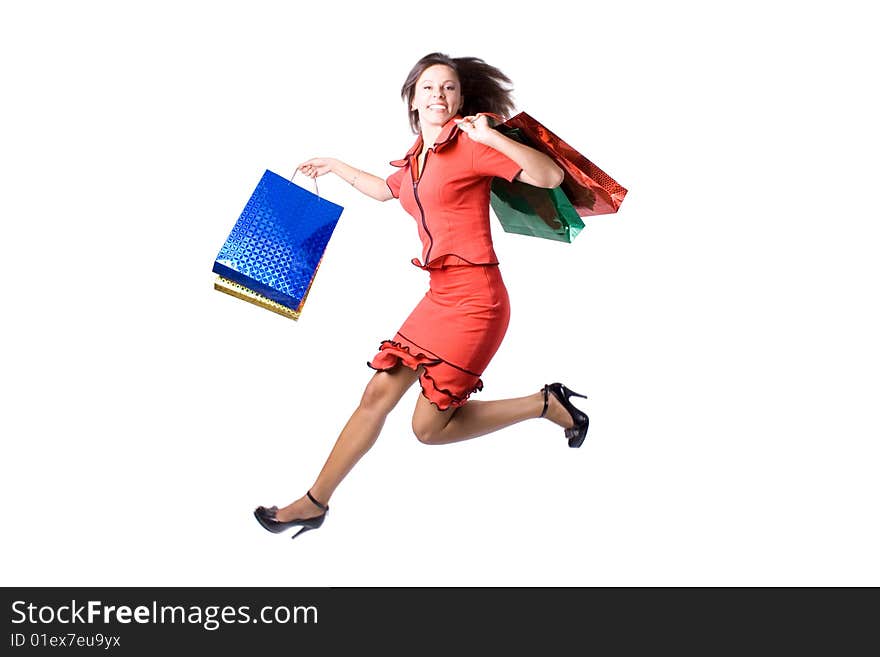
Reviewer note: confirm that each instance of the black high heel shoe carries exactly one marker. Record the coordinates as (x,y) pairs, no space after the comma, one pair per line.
(266,517)
(578,432)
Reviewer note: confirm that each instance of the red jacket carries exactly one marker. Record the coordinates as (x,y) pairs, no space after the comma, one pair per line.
(450,199)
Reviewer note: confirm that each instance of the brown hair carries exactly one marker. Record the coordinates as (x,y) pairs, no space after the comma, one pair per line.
(484,87)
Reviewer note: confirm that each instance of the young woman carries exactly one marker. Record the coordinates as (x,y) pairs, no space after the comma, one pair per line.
(446,343)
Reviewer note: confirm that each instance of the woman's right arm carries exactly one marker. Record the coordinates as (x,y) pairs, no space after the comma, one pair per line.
(366,183)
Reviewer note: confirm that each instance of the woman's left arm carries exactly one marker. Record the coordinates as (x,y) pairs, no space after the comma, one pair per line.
(537,168)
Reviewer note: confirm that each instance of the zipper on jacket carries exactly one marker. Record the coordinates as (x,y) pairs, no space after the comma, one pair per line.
(422,210)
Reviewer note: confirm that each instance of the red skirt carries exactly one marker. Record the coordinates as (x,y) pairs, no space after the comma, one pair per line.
(453,333)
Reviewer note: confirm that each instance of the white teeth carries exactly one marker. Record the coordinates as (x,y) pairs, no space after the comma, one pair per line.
(443,107)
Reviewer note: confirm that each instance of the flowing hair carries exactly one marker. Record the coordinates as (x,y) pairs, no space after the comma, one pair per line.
(484,87)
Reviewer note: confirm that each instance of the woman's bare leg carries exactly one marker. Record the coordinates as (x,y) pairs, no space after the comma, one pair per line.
(359,434)
(478,418)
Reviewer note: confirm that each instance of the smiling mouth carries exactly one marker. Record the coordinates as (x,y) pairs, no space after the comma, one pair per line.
(437,107)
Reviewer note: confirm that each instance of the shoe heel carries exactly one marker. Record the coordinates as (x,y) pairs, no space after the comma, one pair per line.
(569,393)
(305,528)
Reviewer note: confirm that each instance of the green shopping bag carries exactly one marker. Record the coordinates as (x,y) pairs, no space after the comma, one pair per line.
(535,211)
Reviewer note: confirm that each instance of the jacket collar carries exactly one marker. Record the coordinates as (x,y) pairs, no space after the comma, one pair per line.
(447,135)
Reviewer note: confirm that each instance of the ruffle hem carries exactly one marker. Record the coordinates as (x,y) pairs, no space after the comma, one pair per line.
(437,377)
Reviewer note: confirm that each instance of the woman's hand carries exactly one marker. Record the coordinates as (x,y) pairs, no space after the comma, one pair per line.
(317,166)
(477,128)
(538,169)
(366,183)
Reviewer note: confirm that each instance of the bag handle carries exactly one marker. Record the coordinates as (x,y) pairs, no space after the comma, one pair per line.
(494,119)
(314,180)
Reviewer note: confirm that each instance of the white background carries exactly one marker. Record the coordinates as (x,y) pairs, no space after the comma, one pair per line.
(723,322)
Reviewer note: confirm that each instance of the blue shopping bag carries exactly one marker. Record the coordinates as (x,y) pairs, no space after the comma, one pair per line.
(273,251)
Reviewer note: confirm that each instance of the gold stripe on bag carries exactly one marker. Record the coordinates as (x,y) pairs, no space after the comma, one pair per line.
(246,294)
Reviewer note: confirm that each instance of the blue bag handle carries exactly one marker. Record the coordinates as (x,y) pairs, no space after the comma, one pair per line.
(314,180)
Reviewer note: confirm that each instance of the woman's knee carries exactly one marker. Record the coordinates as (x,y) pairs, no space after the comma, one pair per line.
(426,432)
(381,394)
(429,425)
(423,433)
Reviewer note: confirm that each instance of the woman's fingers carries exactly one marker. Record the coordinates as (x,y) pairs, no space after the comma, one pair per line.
(470,123)
(317,166)
(309,168)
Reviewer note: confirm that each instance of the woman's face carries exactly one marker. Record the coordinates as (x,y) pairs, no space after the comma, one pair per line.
(437,95)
